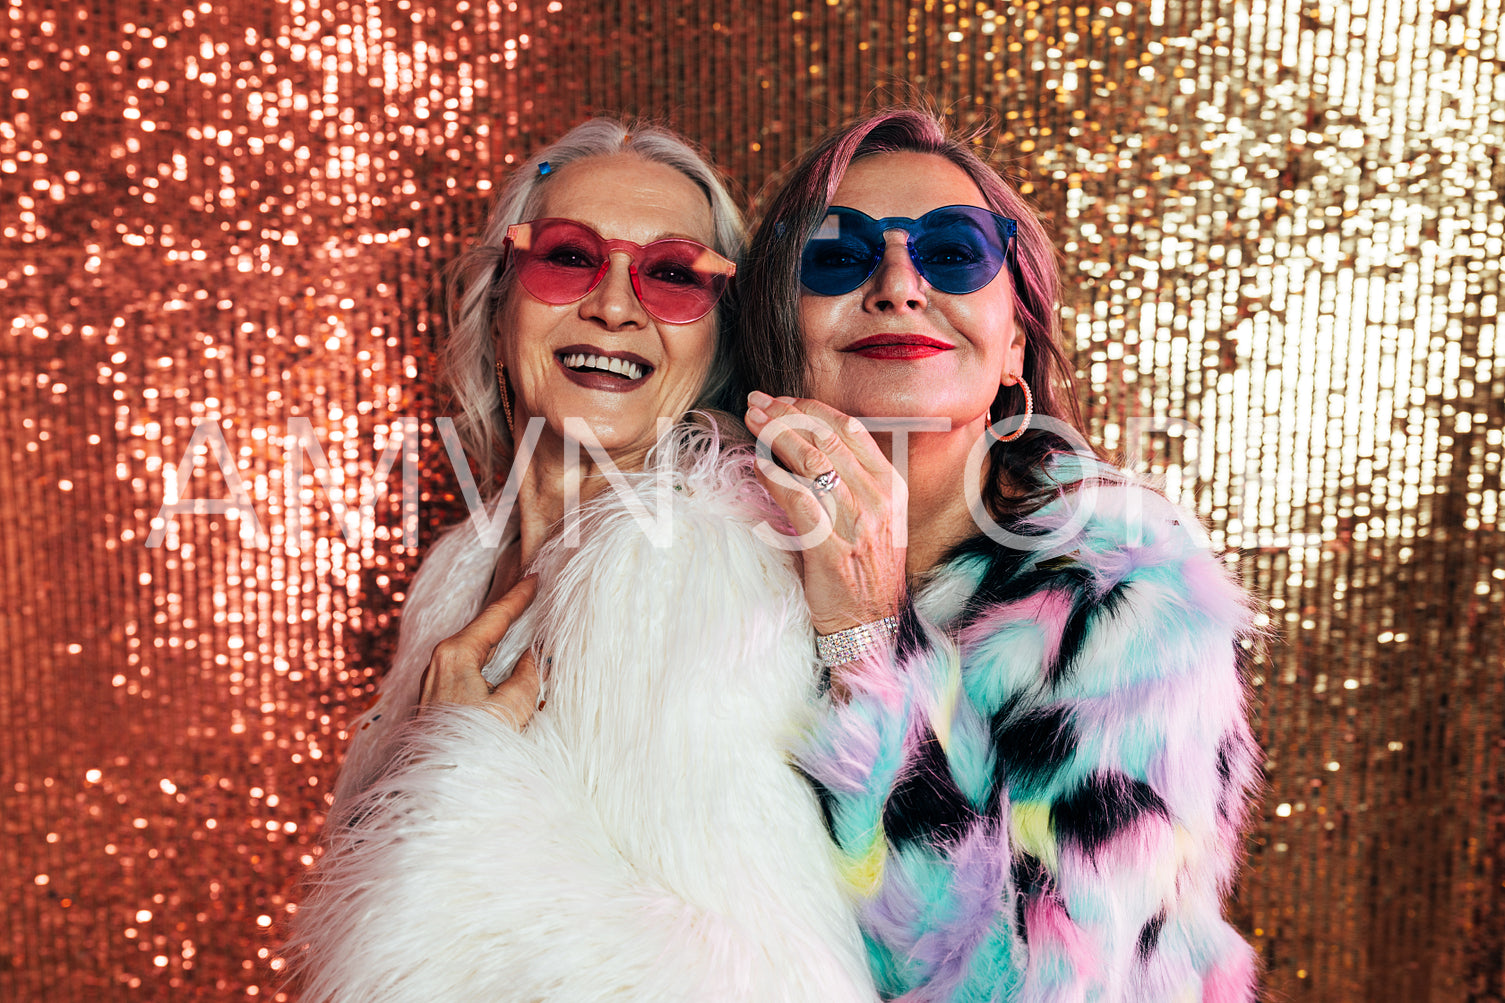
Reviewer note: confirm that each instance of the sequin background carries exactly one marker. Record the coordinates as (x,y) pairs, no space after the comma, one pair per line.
(1283,230)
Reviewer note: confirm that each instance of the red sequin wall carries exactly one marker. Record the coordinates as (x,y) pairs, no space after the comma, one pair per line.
(1283,236)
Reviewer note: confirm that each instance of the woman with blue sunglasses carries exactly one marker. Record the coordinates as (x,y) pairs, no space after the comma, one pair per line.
(1036,759)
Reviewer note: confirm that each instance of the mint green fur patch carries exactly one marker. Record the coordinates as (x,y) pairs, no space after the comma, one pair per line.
(995,974)
(884,966)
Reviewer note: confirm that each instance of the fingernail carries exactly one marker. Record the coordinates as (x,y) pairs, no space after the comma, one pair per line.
(786,400)
(757,414)
(759,399)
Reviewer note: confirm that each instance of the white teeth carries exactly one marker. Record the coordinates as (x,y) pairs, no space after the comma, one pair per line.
(579,360)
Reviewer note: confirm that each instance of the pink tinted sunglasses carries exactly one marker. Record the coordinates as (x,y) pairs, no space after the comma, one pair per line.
(560,261)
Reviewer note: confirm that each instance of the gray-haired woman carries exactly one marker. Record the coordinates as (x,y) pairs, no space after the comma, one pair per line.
(640,834)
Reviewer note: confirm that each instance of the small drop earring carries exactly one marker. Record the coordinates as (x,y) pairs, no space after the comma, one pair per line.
(501,385)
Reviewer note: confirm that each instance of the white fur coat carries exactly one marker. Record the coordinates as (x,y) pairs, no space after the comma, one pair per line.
(645,837)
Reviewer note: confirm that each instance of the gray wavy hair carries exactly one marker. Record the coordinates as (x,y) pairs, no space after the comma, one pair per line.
(475,292)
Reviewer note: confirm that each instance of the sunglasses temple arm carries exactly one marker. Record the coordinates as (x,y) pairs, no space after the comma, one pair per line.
(1024,293)
(502,262)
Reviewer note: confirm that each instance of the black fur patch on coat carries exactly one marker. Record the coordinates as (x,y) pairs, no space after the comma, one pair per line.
(1149,935)
(926,804)
(1086,607)
(911,640)
(1004,582)
(1226,749)
(1101,807)
(1032,745)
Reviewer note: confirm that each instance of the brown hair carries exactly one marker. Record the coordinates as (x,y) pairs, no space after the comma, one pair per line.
(770,350)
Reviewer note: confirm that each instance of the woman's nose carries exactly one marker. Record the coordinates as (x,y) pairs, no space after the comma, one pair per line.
(614,302)
(896,284)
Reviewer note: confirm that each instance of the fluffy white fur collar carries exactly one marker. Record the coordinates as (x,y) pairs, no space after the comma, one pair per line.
(645,837)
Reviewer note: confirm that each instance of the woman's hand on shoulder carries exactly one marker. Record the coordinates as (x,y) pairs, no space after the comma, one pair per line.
(854,523)
(454,671)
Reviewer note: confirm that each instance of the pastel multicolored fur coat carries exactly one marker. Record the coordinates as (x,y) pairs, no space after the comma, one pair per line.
(1040,797)
(646,836)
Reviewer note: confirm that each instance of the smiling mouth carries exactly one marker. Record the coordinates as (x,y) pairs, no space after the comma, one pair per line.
(582,362)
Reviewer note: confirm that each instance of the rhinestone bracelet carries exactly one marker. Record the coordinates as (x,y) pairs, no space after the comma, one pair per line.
(848,645)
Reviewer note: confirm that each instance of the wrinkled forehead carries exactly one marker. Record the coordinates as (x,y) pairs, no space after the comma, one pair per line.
(623,196)
(906,185)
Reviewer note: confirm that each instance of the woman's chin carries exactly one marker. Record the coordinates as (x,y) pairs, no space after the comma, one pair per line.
(603,431)
(903,403)
(609,421)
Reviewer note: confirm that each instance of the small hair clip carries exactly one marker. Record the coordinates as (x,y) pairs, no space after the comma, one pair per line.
(778,229)
(544,168)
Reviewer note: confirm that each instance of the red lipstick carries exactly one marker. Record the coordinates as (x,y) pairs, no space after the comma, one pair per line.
(898,346)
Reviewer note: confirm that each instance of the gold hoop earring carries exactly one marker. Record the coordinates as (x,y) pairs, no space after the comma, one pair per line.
(501,385)
(1029,410)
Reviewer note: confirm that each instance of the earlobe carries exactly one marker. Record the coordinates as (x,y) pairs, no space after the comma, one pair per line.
(1013,365)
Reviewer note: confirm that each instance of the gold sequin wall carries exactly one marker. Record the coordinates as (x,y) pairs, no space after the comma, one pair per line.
(1283,234)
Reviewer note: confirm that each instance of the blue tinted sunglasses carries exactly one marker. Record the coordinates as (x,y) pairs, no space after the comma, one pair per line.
(956,248)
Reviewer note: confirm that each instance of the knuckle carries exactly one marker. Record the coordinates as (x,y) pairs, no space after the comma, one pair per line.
(447,652)
(808,506)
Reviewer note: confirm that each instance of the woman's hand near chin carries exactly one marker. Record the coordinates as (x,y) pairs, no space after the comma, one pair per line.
(454,670)
(855,527)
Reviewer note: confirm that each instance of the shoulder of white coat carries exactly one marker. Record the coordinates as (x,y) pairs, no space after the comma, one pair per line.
(458,553)
(392,912)
(445,594)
